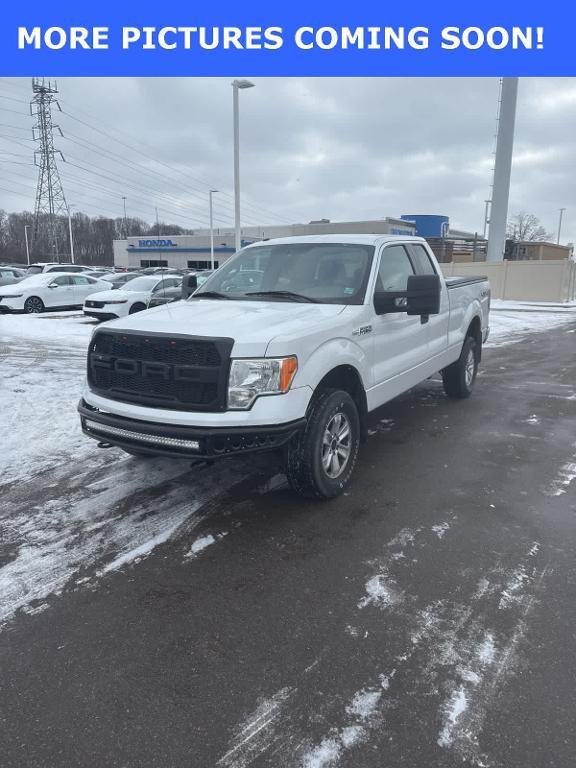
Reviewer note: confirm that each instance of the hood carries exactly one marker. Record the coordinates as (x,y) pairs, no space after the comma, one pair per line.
(116,295)
(252,324)
(26,283)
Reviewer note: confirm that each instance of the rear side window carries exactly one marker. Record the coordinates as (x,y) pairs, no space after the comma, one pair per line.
(395,269)
(81,280)
(422,260)
(64,280)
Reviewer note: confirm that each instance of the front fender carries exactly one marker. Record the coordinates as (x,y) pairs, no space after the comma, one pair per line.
(330,355)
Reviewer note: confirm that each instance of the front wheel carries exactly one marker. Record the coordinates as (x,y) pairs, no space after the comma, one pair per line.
(33,305)
(138,307)
(459,378)
(321,460)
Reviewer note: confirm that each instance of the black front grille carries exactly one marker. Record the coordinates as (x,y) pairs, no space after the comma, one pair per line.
(162,371)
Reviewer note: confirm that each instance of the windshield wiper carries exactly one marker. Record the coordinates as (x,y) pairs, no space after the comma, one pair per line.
(210,295)
(283,295)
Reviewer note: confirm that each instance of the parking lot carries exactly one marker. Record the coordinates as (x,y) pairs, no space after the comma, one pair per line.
(154,613)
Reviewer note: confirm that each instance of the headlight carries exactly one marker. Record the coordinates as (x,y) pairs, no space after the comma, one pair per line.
(13,296)
(251,378)
(120,301)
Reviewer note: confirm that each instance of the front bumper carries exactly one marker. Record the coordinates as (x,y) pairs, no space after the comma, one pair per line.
(6,308)
(183,441)
(100,315)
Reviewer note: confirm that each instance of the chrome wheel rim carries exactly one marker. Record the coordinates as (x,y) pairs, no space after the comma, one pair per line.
(469,369)
(336,445)
(34,306)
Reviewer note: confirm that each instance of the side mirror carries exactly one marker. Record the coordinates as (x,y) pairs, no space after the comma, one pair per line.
(189,285)
(423,295)
(52,285)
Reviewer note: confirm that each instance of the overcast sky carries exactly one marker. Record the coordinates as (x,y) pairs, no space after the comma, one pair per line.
(341,149)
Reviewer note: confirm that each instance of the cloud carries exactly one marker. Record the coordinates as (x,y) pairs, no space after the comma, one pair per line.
(310,148)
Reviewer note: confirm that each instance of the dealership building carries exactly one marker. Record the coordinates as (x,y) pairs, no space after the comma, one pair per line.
(192,251)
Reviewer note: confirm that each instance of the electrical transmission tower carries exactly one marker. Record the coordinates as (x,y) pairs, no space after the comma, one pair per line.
(50,199)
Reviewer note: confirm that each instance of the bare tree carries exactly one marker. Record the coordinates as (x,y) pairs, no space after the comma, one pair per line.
(93,236)
(525,226)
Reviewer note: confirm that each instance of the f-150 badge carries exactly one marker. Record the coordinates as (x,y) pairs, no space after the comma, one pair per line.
(362,331)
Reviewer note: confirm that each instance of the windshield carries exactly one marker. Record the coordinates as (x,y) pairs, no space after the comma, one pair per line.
(329,273)
(34,270)
(140,284)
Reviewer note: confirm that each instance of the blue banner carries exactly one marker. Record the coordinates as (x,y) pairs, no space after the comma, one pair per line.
(265,38)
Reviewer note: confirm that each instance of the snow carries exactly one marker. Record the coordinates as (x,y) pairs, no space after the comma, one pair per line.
(379,593)
(364,704)
(511,321)
(457,705)
(324,755)
(43,368)
(200,545)
(62,328)
(487,649)
(93,511)
(257,732)
(564,477)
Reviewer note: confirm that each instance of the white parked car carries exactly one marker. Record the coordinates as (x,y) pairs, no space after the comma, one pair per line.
(48,291)
(54,266)
(132,297)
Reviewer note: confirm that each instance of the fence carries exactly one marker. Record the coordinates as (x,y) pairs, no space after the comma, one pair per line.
(553,281)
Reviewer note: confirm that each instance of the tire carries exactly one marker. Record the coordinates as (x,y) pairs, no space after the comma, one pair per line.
(33,305)
(459,378)
(316,468)
(138,307)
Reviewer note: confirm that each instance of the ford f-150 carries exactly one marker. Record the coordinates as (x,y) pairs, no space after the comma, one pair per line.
(288,346)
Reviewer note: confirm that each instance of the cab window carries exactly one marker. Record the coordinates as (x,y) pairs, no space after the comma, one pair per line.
(395,269)
(422,260)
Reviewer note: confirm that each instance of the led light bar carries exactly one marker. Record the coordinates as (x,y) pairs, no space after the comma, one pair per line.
(141,437)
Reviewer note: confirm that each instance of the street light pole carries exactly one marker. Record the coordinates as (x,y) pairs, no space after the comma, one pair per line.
(70,232)
(236,86)
(560,225)
(26,228)
(125,224)
(211,229)
(502,170)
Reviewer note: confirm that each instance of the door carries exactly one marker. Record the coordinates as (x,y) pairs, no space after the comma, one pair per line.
(400,341)
(61,294)
(84,286)
(437,324)
(168,282)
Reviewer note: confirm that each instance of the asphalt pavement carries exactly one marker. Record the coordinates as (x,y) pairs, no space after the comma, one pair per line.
(426,618)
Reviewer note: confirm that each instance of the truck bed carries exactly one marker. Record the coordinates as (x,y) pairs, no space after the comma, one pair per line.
(456,282)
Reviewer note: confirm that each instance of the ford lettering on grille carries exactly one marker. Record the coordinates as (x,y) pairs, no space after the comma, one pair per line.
(183,373)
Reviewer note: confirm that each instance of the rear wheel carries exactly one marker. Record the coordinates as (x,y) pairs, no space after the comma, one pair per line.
(33,305)
(321,460)
(459,378)
(138,307)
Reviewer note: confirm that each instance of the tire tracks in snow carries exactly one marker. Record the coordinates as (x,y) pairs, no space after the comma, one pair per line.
(450,652)
(86,524)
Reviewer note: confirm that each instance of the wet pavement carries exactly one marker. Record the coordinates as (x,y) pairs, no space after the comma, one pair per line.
(161,615)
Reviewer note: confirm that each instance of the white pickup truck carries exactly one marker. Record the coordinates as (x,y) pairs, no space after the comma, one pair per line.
(288,346)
